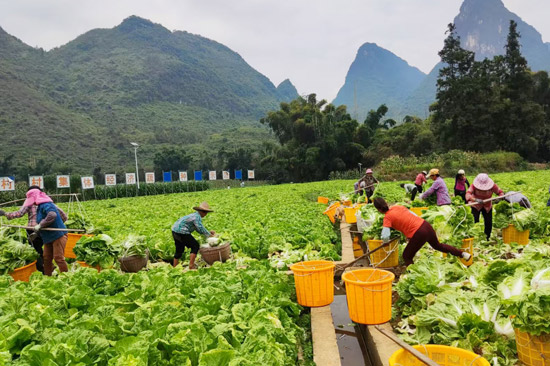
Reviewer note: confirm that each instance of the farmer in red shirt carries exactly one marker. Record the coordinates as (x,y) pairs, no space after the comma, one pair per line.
(420,180)
(417,230)
(482,189)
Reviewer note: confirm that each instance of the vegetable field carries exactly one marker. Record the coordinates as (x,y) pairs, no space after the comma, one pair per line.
(244,312)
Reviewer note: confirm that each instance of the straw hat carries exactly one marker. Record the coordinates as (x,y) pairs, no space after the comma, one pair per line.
(461,171)
(203,207)
(483,182)
(424,172)
(433,172)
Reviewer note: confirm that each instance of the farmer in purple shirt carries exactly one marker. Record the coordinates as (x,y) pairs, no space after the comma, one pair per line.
(439,188)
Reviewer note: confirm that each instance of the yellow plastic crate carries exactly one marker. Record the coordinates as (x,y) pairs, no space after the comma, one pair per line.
(443,355)
(349,213)
(418,210)
(323,200)
(533,350)
(386,257)
(512,235)
(468,246)
(357,250)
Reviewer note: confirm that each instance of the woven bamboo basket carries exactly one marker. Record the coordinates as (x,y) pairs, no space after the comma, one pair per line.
(133,263)
(220,253)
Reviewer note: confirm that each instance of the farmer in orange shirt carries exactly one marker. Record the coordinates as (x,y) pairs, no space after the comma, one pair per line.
(417,230)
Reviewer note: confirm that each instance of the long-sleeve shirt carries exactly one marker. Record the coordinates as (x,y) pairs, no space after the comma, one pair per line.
(461,184)
(420,179)
(369,181)
(409,187)
(188,224)
(473,193)
(47,215)
(440,189)
(31,212)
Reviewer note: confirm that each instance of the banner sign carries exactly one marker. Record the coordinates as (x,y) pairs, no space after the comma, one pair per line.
(251,174)
(110,179)
(198,175)
(212,175)
(225,175)
(149,178)
(87,182)
(238,174)
(36,180)
(7,184)
(167,176)
(183,176)
(130,178)
(63,181)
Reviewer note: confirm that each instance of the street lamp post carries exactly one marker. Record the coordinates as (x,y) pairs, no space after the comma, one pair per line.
(135,145)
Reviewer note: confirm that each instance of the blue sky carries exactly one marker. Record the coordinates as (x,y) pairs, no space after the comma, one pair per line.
(311,42)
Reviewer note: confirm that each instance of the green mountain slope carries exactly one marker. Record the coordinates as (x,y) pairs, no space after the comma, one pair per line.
(135,82)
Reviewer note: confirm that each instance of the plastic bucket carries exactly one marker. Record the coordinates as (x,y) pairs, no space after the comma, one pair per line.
(512,235)
(468,246)
(323,200)
(347,203)
(23,273)
(314,281)
(84,264)
(357,250)
(331,211)
(71,242)
(350,215)
(442,355)
(386,257)
(369,295)
(418,210)
(533,350)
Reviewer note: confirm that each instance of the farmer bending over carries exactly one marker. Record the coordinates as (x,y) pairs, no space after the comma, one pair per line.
(182,229)
(417,230)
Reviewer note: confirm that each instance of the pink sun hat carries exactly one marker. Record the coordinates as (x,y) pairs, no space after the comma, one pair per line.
(369,170)
(36,196)
(483,182)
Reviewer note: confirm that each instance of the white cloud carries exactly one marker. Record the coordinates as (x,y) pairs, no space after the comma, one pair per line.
(311,42)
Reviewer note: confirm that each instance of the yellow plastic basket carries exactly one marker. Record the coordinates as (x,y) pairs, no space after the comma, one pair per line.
(512,235)
(314,281)
(323,200)
(533,350)
(418,210)
(468,246)
(84,264)
(331,211)
(71,242)
(368,293)
(349,213)
(347,203)
(386,257)
(357,250)
(23,273)
(443,355)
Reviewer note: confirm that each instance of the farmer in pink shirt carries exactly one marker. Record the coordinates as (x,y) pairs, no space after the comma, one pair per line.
(461,184)
(482,189)
(420,180)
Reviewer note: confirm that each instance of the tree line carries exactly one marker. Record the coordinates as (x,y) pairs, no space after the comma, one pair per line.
(495,104)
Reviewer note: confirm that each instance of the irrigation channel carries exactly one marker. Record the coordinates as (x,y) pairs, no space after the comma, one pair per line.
(336,339)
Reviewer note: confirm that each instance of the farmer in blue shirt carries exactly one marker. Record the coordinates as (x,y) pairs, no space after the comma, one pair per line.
(48,216)
(182,229)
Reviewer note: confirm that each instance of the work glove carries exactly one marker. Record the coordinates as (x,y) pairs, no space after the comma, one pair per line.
(479,200)
(37,228)
(2,213)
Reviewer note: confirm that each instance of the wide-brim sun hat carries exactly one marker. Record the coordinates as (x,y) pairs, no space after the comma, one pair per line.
(369,171)
(461,171)
(433,171)
(483,182)
(424,172)
(203,207)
